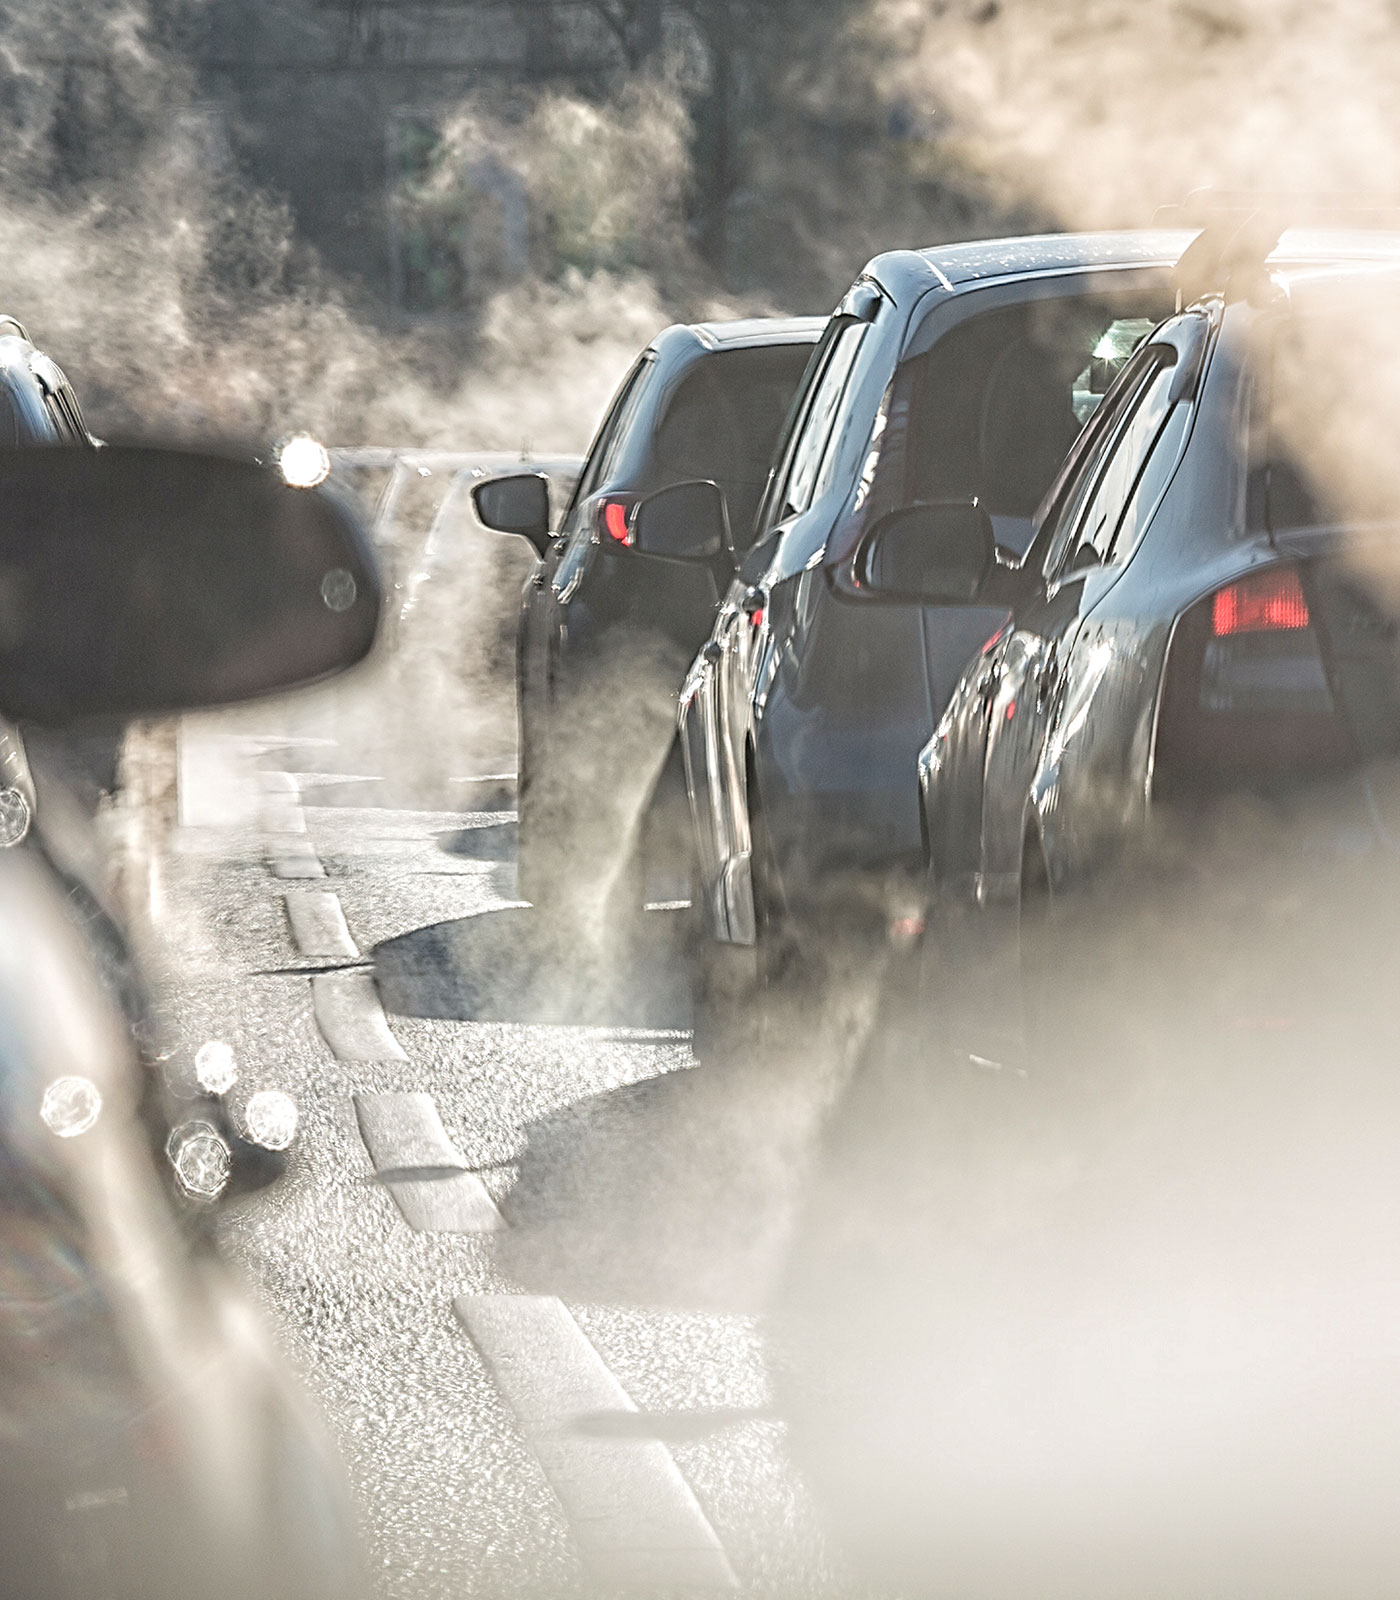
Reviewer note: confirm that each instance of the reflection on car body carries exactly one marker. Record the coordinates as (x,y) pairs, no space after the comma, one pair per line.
(964,370)
(1199,617)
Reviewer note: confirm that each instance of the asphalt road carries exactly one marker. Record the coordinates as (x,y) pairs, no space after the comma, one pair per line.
(523,1247)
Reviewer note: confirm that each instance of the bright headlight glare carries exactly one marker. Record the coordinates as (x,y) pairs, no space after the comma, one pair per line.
(202,1160)
(304,461)
(14,817)
(215,1067)
(271,1119)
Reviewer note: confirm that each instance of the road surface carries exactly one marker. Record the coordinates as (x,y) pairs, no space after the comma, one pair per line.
(523,1247)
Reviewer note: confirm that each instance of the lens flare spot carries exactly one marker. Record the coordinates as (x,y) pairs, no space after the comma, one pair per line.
(215,1067)
(202,1160)
(304,462)
(338,589)
(70,1106)
(271,1119)
(14,817)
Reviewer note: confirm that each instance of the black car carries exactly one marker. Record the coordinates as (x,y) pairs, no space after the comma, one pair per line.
(1196,690)
(38,407)
(154,1445)
(963,370)
(606,630)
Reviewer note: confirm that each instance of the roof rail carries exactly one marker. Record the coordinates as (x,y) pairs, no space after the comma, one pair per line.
(1241,228)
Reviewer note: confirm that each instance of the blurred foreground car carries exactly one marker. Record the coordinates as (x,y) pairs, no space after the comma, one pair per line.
(38,407)
(963,370)
(150,1443)
(1198,689)
(607,626)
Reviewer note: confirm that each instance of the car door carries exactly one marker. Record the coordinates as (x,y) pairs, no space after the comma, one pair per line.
(743,636)
(1076,558)
(557,569)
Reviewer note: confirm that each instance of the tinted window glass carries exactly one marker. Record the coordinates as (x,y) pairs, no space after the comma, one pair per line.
(1071,494)
(602,458)
(994,407)
(723,423)
(1093,536)
(809,451)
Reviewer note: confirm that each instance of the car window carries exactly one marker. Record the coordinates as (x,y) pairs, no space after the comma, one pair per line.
(1093,533)
(723,422)
(1083,499)
(602,457)
(994,407)
(809,450)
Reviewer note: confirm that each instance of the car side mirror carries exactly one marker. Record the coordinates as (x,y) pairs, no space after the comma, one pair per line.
(685,522)
(938,552)
(135,582)
(517,504)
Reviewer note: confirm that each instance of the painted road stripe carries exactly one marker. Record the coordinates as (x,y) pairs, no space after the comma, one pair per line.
(635,1518)
(318,923)
(351,1017)
(289,860)
(421,1167)
(282,815)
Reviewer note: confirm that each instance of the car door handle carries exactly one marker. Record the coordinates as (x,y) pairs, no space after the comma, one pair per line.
(711,651)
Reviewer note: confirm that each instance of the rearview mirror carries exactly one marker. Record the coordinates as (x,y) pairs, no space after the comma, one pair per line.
(685,522)
(938,552)
(139,581)
(517,504)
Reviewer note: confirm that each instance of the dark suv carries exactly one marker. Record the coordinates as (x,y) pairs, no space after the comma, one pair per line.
(965,370)
(605,630)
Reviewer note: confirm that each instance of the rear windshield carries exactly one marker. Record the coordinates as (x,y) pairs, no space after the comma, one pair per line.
(723,423)
(1334,412)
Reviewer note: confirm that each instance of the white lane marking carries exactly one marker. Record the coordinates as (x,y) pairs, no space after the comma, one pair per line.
(282,815)
(405,1130)
(351,1017)
(288,861)
(404,1134)
(636,1519)
(318,923)
(456,1204)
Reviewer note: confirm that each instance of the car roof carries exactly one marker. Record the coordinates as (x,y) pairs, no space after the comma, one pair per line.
(749,332)
(978,261)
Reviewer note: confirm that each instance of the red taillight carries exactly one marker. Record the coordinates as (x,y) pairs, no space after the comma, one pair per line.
(613,515)
(1269,602)
(1246,698)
